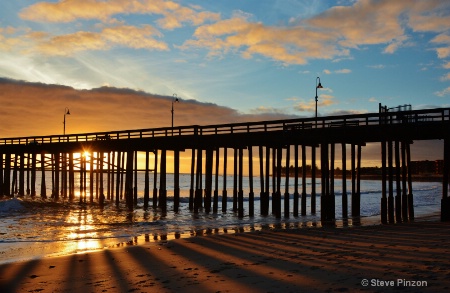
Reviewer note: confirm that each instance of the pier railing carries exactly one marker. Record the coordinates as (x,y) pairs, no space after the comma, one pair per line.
(356,120)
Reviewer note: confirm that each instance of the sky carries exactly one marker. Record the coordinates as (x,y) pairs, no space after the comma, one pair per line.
(119,64)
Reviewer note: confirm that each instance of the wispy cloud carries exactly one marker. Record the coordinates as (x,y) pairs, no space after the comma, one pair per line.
(377,66)
(173,14)
(310,106)
(338,71)
(443,93)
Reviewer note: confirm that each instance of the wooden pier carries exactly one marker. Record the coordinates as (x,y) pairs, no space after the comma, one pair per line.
(109,160)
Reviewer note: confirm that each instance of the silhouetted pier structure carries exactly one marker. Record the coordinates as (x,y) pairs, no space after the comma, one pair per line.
(113,156)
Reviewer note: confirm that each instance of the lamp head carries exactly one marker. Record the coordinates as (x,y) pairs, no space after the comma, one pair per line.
(68,112)
(319,86)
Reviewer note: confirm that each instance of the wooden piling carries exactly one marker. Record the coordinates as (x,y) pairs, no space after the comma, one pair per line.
(43,186)
(192,186)
(22,175)
(92,173)
(313,179)
(224,190)
(261,178)
(162,202)
(445,201)
(208,179)
(33,173)
(331,195)
(286,189)
(296,194)
(404,183)
(265,211)
(398,196)
(391,212)
(146,181)
(7,175)
(176,189)
(384,202)
(251,195)
(155,181)
(410,190)
(129,180)
(277,199)
(344,182)
(117,178)
(198,183)
(1,175)
(240,188)
(235,179)
(303,201)
(216,182)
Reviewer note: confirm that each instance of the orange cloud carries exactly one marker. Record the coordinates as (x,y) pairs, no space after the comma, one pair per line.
(327,35)
(72,10)
(127,36)
(31,109)
(291,45)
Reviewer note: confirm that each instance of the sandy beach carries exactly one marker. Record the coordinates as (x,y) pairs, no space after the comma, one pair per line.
(413,257)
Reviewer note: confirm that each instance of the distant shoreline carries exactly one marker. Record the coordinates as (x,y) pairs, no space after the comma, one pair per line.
(415,178)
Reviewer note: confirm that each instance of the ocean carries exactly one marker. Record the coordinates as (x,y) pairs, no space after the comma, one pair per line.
(35,228)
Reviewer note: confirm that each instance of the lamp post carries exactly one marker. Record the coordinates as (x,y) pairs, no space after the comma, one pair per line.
(174,100)
(66,112)
(318,86)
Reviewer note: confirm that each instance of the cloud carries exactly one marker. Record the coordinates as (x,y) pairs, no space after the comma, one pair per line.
(63,11)
(378,66)
(443,93)
(289,45)
(104,109)
(339,71)
(125,36)
(310,106)
(447,65)
(343,71)
(373,100)
(328,35)
(445,77)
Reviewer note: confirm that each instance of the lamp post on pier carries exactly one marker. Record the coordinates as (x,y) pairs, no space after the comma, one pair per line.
(66,112)
(174,100)
(318,86)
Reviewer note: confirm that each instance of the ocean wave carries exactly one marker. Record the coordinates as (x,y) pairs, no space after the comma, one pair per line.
(9,205)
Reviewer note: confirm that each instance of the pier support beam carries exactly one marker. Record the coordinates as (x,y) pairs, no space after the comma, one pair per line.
(391,185)
(398,196)
(296,194)
(176,190)
(344,182)
(216,182)
(224,190)
(162,203)
(208,179)
(261,178)
(313,179)
(303,200)
(410,190)
(155,181)
(445,202)
(286,185)
(192,186)
(241,188)
(146,181)
(384,201)
(251,195)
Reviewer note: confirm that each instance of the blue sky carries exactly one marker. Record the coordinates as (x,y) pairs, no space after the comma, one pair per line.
(252,56)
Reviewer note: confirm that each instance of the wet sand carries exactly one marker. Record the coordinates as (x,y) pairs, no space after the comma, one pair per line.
(413,257)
